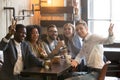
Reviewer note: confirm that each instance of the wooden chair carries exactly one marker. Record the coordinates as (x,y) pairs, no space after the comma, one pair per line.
(103,71)
(1,63)
(1,58)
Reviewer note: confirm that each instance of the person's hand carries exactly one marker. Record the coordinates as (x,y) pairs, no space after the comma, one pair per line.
(111,29)
(44,54)
(42,51)
(60,43)
(12,27)
(74,63)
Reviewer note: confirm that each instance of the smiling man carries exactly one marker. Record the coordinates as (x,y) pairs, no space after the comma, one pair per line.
(92,50)
(52,45)
(17,54)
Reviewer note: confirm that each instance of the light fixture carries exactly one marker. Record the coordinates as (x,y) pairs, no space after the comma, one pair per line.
(11,8)
(49,1)
(29,13)
(25,13)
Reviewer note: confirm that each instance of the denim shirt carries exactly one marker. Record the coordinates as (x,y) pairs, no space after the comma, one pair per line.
(74,45)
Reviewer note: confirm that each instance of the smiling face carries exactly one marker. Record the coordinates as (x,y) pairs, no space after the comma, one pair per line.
(68,30)
(34,35)
(82,30)
(53,33)
(20,34)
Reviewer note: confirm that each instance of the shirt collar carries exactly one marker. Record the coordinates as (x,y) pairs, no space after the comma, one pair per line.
(87,37)
(16,43)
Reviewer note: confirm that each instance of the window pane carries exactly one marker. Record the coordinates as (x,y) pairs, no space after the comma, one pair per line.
(117,30)
(99,27)
(115,9)
(100,9)
(101,13)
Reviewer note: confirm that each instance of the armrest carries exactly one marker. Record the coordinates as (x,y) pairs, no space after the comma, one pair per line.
(103,71)
(1,62)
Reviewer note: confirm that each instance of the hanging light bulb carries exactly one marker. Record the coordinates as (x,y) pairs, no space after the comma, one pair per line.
(49,1)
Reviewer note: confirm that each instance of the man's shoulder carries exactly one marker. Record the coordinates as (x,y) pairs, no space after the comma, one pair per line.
(25,43)
(45,40)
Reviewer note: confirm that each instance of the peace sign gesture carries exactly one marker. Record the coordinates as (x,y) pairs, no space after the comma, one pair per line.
(12,27)
(110,30)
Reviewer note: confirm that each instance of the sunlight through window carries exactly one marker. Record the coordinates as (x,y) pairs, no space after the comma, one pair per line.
(101,13)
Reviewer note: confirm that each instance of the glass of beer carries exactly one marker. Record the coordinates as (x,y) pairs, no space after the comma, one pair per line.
(48,64)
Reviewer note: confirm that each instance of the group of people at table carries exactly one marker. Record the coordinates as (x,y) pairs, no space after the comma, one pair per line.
(25,49)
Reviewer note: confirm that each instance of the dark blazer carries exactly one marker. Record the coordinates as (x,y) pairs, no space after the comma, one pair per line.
(10,58)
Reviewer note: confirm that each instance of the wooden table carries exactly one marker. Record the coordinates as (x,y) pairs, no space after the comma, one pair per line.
(55,71)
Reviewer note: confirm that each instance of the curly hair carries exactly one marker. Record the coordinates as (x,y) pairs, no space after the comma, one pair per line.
(29,30)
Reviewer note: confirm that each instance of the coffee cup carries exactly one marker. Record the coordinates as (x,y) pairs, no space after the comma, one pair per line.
(68,58)
(56,59)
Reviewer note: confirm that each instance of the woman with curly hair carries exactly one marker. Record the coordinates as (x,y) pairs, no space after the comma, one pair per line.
(33,39)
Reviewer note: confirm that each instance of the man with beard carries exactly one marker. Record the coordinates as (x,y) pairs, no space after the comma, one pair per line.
(51,44)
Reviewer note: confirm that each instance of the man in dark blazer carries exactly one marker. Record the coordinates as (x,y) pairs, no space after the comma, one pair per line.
(8,45)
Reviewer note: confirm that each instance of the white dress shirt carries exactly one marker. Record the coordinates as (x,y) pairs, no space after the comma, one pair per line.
(92,50)
(19,63)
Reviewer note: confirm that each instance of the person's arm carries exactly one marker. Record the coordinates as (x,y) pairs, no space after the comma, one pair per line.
(6,39)
(78,58)
(104,40)
(11,29)
(55,51)
(52,53)
(32,60)
(57,47)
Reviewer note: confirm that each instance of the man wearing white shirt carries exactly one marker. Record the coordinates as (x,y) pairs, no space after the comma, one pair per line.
(92,50)
(17,54)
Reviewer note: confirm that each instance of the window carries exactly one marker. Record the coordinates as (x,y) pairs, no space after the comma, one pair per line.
(101,13)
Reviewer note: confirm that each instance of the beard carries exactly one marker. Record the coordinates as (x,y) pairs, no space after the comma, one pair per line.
(54,37)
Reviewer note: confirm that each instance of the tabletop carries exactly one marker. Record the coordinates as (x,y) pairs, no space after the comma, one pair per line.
(56,70)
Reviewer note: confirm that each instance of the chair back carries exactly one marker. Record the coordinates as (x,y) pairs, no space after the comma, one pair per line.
(103,71)
(1,59)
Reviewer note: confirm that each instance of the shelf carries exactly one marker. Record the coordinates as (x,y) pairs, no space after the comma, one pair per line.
(56,10)
(58,23)
(56,15)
